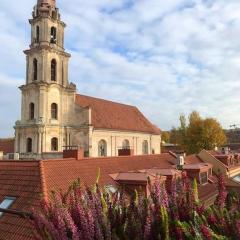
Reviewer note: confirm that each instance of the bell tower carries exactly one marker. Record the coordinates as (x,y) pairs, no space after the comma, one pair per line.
(47,94)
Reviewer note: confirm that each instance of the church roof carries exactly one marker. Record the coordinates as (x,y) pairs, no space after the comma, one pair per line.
(116,116)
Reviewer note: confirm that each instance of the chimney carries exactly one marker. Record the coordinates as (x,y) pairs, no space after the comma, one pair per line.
(125,152)
(73,152)
(180,161)
(225,150)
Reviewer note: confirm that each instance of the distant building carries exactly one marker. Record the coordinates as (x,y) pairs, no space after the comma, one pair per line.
(233,135)
(53,115)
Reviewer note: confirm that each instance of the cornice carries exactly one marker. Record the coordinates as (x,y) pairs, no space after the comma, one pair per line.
(46,48)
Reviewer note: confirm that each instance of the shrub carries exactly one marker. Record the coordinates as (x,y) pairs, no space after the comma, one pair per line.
(84,213)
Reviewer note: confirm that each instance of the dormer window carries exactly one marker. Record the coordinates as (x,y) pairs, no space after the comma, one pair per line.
(7,203)
(203,178)
(53,35)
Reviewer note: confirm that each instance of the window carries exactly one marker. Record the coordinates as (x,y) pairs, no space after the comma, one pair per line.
(29,145)
(35,69)
(53,70)
(102,148)
(6,203)
(54,144)
(31,111)
(125,144)
(53,35)
(54,111)
(203,178)
(145,147)
(37,34)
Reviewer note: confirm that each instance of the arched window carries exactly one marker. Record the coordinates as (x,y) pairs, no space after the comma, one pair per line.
(35,69)
(102,148)
(54,70)
(54,144)
(31,111)
(29,145)
(37,34)
(125,144)
(145,147)
(54,111)
(53,35)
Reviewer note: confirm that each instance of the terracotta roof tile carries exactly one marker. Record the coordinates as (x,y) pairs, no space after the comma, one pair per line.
(116,116)
(21,180)
(7,145)
(28,180)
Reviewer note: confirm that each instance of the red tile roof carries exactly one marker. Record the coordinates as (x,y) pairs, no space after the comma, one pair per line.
(29,180)
(23,181)
(116,116)
(7,145)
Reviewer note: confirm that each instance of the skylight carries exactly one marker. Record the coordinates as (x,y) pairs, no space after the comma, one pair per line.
(6,203)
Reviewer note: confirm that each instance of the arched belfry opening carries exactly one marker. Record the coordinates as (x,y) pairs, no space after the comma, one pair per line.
(35,69)
(54,70)
(53,35)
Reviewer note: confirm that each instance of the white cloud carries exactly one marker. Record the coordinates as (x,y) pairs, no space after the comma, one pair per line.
(166,57)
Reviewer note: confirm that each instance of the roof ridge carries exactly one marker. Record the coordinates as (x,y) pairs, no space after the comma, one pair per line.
(105,100)
(101,158)
(42,180)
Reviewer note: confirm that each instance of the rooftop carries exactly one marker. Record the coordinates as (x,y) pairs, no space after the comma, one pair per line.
(29,181)
(116,116)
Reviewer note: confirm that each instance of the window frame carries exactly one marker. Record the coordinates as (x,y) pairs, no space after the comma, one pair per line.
(53,35)
(37,34)
(35,69)
(31,111)
(54,70)
(54,111)
(54,144)
(7,205)
(125,144)
(102,152)
(205,178)
(29,149)
(145,147)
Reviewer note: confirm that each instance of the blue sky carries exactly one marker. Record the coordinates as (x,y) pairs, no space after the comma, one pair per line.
(166,57)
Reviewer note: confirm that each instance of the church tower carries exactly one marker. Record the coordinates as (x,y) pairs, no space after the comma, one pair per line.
(47,94)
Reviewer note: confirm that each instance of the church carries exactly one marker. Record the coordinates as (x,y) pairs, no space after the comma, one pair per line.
(54,116)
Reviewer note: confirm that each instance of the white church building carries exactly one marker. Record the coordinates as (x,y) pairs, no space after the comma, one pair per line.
(54,116)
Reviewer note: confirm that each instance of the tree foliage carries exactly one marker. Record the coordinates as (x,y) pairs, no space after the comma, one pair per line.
(198,133)
(165,136)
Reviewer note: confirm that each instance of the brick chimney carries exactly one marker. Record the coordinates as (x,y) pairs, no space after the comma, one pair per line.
(73,152)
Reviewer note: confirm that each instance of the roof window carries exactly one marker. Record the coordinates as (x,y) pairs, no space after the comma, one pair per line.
(6,203)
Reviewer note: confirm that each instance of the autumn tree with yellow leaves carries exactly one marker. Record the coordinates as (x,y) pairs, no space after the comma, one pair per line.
(198,133)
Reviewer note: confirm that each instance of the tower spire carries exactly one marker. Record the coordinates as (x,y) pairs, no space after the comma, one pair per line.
(51,3)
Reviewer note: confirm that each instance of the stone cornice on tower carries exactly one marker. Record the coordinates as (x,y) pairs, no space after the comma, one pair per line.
(47,48)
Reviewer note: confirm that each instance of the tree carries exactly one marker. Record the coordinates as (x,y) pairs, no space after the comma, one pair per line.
(199,133)
(165,136)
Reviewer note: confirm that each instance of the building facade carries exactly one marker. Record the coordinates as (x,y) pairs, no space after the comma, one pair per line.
(53,115)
